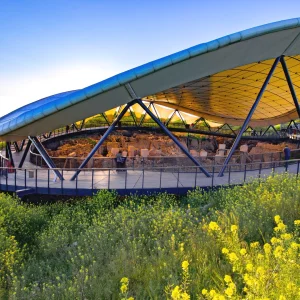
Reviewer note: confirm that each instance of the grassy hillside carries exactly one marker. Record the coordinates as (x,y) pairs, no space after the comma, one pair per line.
(227,244)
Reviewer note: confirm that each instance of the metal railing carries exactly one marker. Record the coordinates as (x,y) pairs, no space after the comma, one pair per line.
(174,179)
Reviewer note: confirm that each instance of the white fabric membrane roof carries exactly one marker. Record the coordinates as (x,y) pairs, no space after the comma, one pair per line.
(218,80)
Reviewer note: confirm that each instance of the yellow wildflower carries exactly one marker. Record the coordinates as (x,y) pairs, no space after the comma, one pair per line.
(185,296)
(267,248)
(124,280)
(130,298)
(213,226)
(295,246)
(297,222)
(181,247)
(260,256)
(274,240)
(229,292)
(249,267)
(185,265)
(123,288)
(280,227)
(277,219)
(212,293)
(225,251)
(234,228)
(260,271)
(176,293)
(286,236)
(281,297)
(254,245)
(243,251)
(204,292)
(233,257)
(278,251)
(227,279)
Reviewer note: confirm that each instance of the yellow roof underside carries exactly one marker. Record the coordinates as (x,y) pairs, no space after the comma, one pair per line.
(230,94)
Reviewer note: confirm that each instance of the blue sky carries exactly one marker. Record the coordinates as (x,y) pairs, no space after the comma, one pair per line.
(47,47)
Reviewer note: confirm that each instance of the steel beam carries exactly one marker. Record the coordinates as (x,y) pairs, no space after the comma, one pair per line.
(103,138)
(133,117)
(251,112)
(171,117)
(82,124)
(105,118)
(290,83)
(45,155)
(183,121)
(25,154)
(154,109)
(166,130)
(16,147)
(144,116)
(9,154)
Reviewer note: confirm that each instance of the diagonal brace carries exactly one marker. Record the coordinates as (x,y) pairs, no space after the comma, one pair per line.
(103,138)
(251,112)
(45,156)
(166,130)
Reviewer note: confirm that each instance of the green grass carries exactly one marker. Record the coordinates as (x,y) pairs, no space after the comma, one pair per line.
(82,249)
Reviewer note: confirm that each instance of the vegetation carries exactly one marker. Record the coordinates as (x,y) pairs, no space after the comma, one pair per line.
(225,244)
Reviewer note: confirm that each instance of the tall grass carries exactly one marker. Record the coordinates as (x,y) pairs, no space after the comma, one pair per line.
(160,246)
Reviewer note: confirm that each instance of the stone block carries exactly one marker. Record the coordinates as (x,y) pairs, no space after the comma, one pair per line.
(144,152)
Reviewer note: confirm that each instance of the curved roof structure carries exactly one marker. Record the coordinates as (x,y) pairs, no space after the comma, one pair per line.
(218,80)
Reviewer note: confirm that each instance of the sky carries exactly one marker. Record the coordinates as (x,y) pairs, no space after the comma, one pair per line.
(48,47)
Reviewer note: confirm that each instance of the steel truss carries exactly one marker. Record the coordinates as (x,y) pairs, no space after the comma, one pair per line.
(271,127)
(118,119)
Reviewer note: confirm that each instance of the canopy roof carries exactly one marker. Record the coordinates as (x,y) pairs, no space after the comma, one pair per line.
(218,80)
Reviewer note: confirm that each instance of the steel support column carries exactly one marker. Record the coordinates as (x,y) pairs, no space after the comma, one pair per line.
(252,110)
(45,155)
(166,130)
(9,154)
(25,154)
(103,138)
(290,83)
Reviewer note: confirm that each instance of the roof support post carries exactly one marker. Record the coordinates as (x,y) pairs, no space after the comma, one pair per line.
(290,83)
(251,112)
(25,154)
(9,154)
(45,156)
(103,138)
(171,136)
